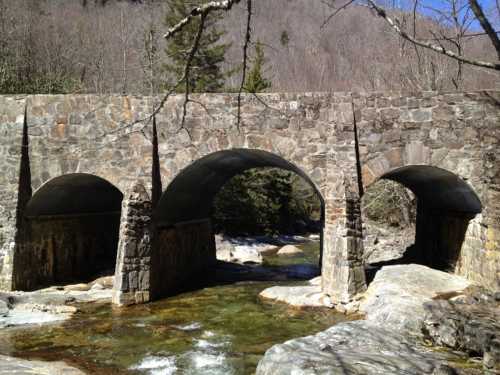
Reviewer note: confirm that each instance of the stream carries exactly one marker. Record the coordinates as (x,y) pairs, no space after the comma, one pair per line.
(220,329)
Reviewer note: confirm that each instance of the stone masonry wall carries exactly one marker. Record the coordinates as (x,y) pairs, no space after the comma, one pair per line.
(11,126)
(110,136)
(58,250)
(458,132)
(182,256)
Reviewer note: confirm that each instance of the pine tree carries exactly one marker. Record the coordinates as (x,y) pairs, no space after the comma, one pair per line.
(206,74)
(256,82)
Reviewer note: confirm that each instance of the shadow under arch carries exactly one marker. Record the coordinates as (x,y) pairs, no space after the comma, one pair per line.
(190,195)
(70,232)
(185,242)
(445,206)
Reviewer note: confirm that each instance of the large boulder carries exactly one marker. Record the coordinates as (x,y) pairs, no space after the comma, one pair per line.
(469,322)
(396,297)
(387,342)
(350,348)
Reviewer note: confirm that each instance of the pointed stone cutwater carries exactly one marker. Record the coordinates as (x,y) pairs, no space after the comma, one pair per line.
(132,274)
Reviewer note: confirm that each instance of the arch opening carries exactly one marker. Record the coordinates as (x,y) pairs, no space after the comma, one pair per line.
(443,206)
(70,232)
(185,239)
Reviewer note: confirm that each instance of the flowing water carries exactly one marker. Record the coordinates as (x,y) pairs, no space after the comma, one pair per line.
(222,329)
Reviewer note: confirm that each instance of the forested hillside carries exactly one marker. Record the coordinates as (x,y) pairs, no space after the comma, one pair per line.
(103,46)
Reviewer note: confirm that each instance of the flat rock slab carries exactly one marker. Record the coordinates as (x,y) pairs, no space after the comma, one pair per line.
(45,306)
(397,295)
(298,296)
(10,365)
(359,347)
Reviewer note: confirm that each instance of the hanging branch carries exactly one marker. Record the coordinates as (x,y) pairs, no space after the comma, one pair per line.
(436,48)
(187,70)
(248,35)
(486,25)
(198,11)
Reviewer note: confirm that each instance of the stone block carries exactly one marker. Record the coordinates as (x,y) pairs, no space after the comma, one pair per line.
(421,115)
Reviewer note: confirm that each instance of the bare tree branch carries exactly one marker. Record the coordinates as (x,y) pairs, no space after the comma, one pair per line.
(336,11)
(486,25)
(195,12)
(187,69)
(248,35)
(395,26)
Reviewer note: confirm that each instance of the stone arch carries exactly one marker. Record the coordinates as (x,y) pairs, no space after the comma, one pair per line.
(203,178)
(69,233)
(184,238)
(445,205)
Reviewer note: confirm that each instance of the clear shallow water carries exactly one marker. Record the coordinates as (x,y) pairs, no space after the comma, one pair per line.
(217,330)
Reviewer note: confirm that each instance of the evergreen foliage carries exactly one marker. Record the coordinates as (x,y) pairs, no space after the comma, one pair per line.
(206,73)
(256,82)
(265,201)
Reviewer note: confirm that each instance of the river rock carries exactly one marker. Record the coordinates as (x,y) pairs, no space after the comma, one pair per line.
(268,250)
(246,254)
(350,348)
(396,296)
(106,282)
(298,296)
(289,250)
(470,322)
(10,365)
(237,250)
(77,288)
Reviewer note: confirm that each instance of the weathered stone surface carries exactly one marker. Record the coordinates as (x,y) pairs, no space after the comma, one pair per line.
(389,341)
(396,297)
(184,255)
(350,348)
(131,281)
(299,296)
(469,322)
(11,365)
(289,250)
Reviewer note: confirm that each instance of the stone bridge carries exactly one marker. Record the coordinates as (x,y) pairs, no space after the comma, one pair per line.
(82,177)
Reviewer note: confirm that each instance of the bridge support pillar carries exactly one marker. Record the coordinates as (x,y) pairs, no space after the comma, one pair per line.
(343,273)
(132,275)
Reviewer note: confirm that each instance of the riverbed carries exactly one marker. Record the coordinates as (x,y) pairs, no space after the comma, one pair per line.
(220,329)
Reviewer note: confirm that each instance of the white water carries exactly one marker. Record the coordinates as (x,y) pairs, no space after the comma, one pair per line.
(189,327)
(157,365)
